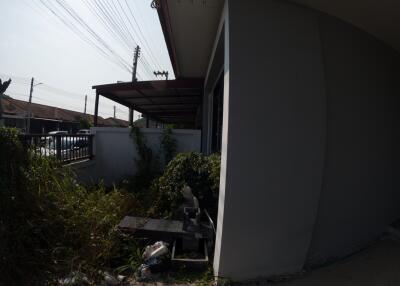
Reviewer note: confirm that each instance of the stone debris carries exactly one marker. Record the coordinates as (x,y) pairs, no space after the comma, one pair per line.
(75,278)
(156,259)
(110,280)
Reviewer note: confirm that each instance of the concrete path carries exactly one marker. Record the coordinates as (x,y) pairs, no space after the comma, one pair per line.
(378,265)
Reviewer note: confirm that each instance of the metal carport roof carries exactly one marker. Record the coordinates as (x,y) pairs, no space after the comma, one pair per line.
(167,101)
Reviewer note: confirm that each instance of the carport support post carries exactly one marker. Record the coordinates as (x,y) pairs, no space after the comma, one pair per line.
(96,109)
(130,117)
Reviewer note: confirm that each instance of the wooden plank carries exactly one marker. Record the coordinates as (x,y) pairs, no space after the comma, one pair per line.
(153,228)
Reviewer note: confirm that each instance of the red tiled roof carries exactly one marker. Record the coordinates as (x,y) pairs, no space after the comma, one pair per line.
(17,107)
(116,122)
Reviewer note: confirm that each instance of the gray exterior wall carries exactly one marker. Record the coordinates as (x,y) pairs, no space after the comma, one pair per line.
(274,132)
(361,186)
(309,140)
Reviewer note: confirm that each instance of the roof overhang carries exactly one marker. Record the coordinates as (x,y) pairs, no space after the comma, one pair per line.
(168,101)
(378,18)
(190,28)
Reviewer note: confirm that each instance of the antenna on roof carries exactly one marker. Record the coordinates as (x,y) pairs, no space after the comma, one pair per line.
(155,4)
(163,73)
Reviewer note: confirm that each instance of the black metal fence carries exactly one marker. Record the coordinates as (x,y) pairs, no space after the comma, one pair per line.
(65,148)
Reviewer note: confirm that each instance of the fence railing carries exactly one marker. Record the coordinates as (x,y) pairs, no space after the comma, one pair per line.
(65,148)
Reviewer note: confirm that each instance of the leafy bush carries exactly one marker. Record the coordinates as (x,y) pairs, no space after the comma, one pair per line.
(49,224)
(148,168)
(12,202)
(84,123)
(198,171)
(147,164)
(168,145)
(11,157)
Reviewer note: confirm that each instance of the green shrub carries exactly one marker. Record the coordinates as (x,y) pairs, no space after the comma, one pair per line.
(198,171)
(12,203)
(84,123)
(168,145)
(11,158)
(147,164)
(49,224)
(148,167)
(160,194)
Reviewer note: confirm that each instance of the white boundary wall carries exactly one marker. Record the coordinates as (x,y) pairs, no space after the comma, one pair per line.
(115,151)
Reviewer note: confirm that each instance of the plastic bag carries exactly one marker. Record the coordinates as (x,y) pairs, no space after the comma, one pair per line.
(158,249)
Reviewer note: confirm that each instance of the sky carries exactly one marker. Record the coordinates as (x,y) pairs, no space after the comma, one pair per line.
(67,51)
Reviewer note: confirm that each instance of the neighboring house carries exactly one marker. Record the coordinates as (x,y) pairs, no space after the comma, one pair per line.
(48,118)
(142,123)
(115,122)
(302,98)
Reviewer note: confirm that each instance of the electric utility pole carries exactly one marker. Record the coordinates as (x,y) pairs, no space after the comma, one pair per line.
(131,117)
(28,129)
(136,56)
(163,73)
(84,111)
(134,79)
(3,88)
(114,111)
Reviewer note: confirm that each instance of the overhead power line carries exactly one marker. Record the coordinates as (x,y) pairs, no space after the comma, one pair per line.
(113,17)
(107,25)
(119,21)
(146,43)
(73,14)
(62,11)
(49,90)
